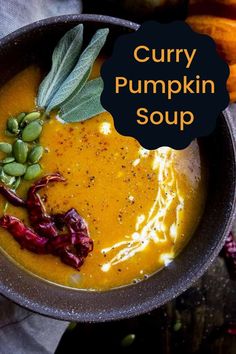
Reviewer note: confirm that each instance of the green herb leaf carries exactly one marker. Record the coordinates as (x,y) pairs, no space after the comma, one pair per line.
(64,58)
(84,104)
(79,75)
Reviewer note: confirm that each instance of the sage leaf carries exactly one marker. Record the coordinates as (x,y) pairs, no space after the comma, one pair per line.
(84,104)
(64,58)
(80,74)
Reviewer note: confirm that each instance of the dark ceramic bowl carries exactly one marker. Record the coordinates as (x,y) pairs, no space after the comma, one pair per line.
(34,43)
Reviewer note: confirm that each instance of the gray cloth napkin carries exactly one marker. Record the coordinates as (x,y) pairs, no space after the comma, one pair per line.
(22,331)
(17,13)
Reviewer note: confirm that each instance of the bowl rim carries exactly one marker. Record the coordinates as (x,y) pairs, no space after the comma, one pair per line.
(96,18)
(27,290)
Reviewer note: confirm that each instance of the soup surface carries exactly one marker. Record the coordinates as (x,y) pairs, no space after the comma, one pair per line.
(141,206)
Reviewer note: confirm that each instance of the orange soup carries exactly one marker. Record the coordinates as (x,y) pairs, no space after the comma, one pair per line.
(141,206)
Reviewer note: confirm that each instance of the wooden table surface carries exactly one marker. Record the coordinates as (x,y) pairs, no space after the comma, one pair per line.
(198,321)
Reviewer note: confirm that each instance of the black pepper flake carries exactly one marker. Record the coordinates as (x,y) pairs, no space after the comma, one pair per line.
(120,217)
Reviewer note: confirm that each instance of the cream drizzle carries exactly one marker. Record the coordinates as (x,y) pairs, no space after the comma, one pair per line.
(153,228)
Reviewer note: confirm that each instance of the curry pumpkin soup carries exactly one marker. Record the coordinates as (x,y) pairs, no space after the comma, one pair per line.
(140,206)
(81,205)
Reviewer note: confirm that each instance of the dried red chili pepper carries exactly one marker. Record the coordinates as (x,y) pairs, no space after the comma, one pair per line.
(229,253)
(11,196)
(39,219)
(231,329)
(70,258)
(72,247)
(59,242)
(77,227)
(72,255)
(26,237)
(75,246)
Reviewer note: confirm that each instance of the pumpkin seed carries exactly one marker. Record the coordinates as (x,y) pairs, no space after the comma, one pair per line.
(14,169)
(32,172)
(128,340)
(177,326)
(32,131)
(5,147)
(12,125)
(9,133)
(6,179)
(20,151)
(8,159)
(72,326)
(36,154)
(17,183)
(20,117)
(30,117)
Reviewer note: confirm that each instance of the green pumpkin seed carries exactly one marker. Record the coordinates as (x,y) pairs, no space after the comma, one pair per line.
(17,183)
(177,326)
(32,172)
(36,154)
(128,340)
(72,326)
(9,133)
(20,117)
(6,179)
(32,131)
(12,125)
(30,117)
(14,169)
(5,147)
(8,159)
(20,151)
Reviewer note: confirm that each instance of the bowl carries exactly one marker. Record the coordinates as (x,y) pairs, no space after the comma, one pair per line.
(34,43)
